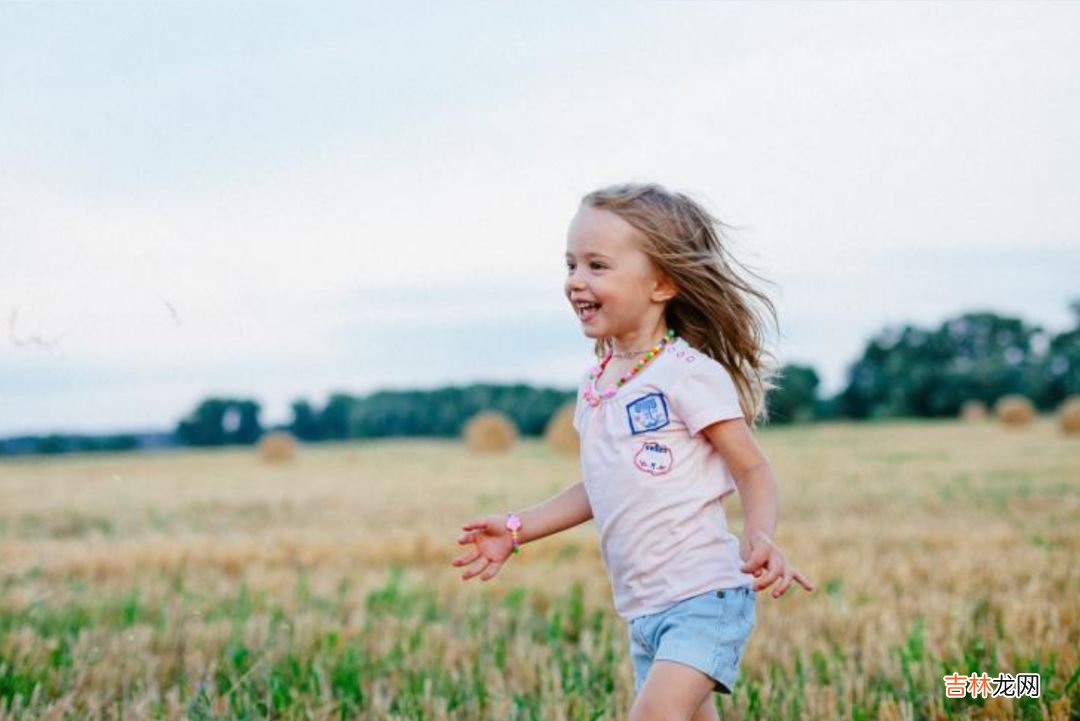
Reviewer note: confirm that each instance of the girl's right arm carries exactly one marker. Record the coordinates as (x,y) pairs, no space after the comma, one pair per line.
(565,510)
(494,543)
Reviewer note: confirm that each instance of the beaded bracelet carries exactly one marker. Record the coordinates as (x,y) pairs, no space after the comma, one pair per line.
(513,523)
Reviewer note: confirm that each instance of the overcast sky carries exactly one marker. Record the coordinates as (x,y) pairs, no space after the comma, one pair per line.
(282,201)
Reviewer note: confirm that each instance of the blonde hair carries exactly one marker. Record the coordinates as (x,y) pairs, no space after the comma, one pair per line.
(713,308)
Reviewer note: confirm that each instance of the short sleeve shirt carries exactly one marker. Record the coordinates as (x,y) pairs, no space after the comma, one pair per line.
(656,484)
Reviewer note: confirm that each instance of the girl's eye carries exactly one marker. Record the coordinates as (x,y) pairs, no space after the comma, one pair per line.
(598,265)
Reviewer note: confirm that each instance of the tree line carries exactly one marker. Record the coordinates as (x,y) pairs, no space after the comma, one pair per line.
(902,372)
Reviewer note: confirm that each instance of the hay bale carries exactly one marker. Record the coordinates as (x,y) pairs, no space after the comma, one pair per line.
(973,411)
(490,431)
(1069,415)
(1014,410)
(277,447)
(559,432)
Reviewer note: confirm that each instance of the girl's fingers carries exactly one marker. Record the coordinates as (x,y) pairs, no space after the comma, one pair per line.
(477,570)
(479,524)
(757,560)
(792,574)
(492,569)
(773,571)
(467,558)
(782,587)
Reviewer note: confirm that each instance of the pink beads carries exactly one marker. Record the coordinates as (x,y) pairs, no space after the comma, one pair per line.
(591,395)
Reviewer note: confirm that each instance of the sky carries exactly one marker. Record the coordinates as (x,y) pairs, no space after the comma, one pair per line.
(282,201)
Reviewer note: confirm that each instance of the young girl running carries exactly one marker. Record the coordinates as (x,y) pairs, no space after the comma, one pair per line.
(665,421)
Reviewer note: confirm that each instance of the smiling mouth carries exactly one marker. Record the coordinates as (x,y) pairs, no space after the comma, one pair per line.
(586,310)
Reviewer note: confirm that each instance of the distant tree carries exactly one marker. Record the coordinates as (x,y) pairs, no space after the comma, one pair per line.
(51,444)
(793,399)
(1059,367)
(444,412)
(335,419)
(120,442)
(913,371)
(86,444)
(305,423)
(827,408)
(205,426)
(248,429)
(221,421)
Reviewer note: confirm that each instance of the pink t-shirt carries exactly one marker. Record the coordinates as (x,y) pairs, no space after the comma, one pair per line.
(656,484)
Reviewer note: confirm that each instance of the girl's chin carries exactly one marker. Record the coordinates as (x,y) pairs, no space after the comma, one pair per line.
(591,330)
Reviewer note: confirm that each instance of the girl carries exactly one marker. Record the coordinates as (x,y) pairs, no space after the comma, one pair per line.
(665,423)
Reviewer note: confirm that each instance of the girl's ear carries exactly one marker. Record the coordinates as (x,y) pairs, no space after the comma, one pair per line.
(665,289)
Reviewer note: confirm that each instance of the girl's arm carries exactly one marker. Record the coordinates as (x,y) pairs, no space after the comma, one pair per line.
(760,500)
(759,497)
(565,510)
(494,543)
(752,473)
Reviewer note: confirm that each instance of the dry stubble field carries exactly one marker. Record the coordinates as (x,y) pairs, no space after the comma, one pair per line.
(209,585)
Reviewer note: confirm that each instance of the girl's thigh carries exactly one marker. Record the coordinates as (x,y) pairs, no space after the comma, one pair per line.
(707,710)
(672,692)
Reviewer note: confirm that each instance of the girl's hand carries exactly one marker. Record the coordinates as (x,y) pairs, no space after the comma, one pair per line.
(762,558)
(493,544)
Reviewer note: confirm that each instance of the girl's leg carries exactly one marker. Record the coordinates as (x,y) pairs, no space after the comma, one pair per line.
(672,692)
(707,710)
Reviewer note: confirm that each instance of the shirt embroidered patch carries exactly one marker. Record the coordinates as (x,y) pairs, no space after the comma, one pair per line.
(654,458)
(647,413)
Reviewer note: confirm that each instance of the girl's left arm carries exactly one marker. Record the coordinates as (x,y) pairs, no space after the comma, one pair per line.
(760,499)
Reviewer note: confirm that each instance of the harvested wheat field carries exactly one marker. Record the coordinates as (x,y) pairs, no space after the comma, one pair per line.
(213,585)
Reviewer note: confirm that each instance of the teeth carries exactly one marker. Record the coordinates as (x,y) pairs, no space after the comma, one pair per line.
(587,309)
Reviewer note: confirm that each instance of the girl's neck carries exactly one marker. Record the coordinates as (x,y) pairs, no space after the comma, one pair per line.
(636,344)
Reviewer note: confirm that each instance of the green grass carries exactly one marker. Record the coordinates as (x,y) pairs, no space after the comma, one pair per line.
(290,675)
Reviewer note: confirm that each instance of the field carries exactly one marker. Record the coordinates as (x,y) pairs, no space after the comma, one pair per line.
(210,585)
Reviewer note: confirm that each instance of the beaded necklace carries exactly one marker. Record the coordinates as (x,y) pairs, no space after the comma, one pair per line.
(590,393)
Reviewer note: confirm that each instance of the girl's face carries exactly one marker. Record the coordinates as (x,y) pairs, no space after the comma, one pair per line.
(611,284)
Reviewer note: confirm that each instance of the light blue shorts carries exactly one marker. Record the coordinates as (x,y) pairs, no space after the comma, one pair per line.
(707,631)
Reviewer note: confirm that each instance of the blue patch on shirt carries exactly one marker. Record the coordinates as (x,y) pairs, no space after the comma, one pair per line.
(647,413)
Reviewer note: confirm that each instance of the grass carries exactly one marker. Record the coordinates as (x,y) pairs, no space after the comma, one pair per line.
(211,586)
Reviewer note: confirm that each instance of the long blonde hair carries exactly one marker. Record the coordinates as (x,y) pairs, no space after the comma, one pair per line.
(713,309)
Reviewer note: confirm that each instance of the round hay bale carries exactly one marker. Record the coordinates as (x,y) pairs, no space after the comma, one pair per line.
(560,433)
(1014,410)
(973,411)
(1069,416)
(490,431)
(277,447)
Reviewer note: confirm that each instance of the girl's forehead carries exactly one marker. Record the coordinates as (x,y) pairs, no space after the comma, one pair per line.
(600,231)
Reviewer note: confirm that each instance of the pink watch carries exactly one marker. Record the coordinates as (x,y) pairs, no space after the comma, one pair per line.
(513,523)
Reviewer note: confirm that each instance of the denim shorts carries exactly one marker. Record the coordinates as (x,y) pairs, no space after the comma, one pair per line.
(707,631)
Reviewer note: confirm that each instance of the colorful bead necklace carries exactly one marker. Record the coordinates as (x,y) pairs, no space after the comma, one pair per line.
(590,393)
